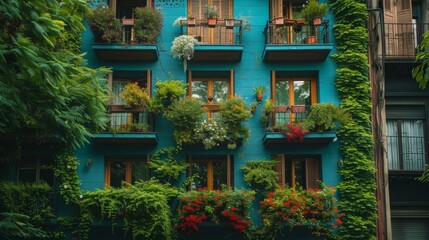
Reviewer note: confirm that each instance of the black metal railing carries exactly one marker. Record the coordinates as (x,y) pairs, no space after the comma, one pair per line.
(283,115)
(406,153)
(294,32)
(402,39)
(222,32)
(131,121)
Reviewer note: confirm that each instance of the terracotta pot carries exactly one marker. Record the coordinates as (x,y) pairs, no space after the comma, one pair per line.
(311,40)
(191,21)
(279,21)
(317,21)
(212,22)
(229,23)
(259,97)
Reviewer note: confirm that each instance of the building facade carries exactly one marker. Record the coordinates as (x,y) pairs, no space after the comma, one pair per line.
(399,117)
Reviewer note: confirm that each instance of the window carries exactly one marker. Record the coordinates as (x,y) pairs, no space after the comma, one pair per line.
(406,140)
(128,170)
(197,9)
(387,5)
(122,119)
(125,8)
(286,8)
(36,169)
(405,4)
(299,171)
(293,96)
(211,88)
(211,172)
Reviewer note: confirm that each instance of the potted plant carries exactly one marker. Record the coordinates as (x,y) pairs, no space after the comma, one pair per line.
(134,95)
(233,112)
(322,117)
(104,26)
(313,13)
(253,107)
(191,21)
(166,92)
(148,24)
(229,22)
(259,91)
(211,14)
(139,127)
(260,175)
(183,48)
(268,110)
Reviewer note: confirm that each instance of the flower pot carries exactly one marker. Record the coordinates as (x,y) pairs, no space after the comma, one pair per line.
(229,23)
(297,108)
(212,22)
(191,22)
(279,21)
(259,97)
(311,40)
(317,21)
(127,22)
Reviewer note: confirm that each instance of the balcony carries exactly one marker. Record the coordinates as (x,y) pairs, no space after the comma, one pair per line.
(296,41)
(129,125)
(128,49)
(219,42)
(290,114)
(406,155)
(402,40)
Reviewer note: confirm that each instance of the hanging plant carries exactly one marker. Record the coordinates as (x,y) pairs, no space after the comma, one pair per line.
(183,49)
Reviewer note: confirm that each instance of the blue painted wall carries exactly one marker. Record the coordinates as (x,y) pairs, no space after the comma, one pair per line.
(249,72)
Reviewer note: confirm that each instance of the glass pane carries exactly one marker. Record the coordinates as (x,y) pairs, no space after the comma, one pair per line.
(47,175)
(300,173)
(413,144)
(117,172)
(117,88)
(282,93)
(219,175)
(301,91)
(139,171)
(199,172)
(200,90)
(392,145)
(288,173)
(220,91)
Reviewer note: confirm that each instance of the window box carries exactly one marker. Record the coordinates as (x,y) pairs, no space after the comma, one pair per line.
(211,22)
(229,23)
(279,21)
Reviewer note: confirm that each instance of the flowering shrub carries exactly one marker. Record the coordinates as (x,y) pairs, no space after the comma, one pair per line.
(211,11)
(195,207)
(294,131)
(315,208)
(183,48)
(134,95)
(210,133)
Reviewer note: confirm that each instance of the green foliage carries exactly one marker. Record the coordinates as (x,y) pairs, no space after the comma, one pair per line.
(313,10)
(233,112)
(323,116)
(424,178)
(46,91)
(66,173)
(30,199)
(314,208)
(105,27)
(134,95)
(166,92)
(211,133)
(421,72)
(166,167)
(195,207)
(148,24)
(143,207)
(260,175)
(357,189)
(15,225)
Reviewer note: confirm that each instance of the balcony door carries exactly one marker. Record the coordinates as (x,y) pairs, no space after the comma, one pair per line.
(216,35)
(400,29)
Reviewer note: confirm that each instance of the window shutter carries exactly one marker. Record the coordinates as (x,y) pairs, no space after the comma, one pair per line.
(280,168)
(312,172)
(230,172)
(231,84)
(149,82)
(276,8)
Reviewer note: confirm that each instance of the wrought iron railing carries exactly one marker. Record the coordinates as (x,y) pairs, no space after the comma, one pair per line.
(406,153)
(402,39)
(131,121)
(283,115)
(222,32)
(296,32)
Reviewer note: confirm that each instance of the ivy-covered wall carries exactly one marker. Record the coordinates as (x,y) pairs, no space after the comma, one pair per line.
(357,188)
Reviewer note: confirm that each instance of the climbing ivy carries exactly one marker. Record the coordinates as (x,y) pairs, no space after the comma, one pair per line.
(66,173)
(357,189)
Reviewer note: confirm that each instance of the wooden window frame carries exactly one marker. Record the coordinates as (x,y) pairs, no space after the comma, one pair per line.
(313,89)
(210,160)
(210,107)
(128,168)
(280,168)
(113,4)
(148,80)
(37,166)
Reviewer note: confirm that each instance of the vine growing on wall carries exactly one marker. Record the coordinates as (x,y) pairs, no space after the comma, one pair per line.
(357,189)
(66,173)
